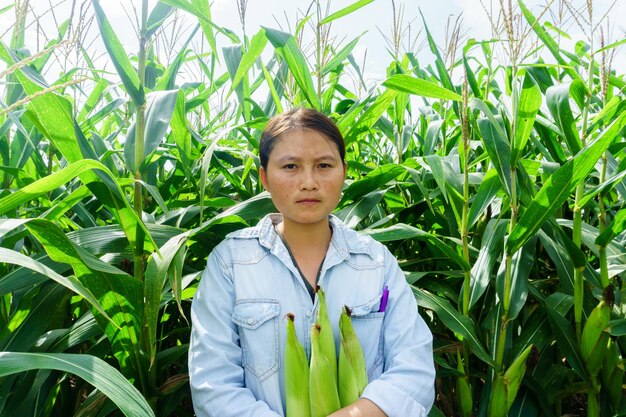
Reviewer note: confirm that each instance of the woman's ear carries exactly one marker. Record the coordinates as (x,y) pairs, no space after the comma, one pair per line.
(263,175)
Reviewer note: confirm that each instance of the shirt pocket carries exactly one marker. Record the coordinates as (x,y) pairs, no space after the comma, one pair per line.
(258,332)
(368,326)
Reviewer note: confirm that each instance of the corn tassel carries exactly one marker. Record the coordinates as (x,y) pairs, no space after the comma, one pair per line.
(352,373)
(594,338)
(296,374)
(327,336)
(323,395)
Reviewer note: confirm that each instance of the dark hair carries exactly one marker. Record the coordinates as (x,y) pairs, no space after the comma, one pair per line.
(299,119)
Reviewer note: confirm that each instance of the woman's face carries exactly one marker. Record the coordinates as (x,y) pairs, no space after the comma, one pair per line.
(304,175)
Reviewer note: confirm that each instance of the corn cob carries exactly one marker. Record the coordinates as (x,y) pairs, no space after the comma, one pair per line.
(323,388)
(497,399)
(594,338)
(463,389)
(514,375)
(296,374)
(352,373)
(346,381)
(613,374)
(327,336)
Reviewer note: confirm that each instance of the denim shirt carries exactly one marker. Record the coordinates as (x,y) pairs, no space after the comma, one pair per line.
(239,328)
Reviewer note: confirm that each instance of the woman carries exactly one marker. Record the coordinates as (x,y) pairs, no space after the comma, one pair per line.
(257,275)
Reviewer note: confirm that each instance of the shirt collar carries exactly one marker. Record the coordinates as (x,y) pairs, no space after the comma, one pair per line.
(343,240)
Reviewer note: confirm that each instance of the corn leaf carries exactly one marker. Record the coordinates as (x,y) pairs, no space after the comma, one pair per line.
(471,77)
(453,320)
(565,338)
(70,282)
(168,80)
(119,294)
(94,98)
(498,149)
(490,252)
(288,49)
(182,136)
(159,109)
(521,265)
(155,278)
(374,180)
(528,106)
(352,214)
(402,231)
(100,240)
(257,45)
(547,40)
(436,168)
(202,10)
(90,368)
(232,56)
(617,226)
(27,330)
(560,185)
(617,328)
(127,216)
(345,11)
(252,208)
(489,187)
(607,185)
(347,119)
(119,57)
(417,86)
(559,256)
(157,17)
(369,116)
(340,56)
(537,332)
(558,101)
(23,277)
(444,76)
(51,113)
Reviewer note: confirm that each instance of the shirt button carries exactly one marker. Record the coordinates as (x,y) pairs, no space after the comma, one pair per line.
(308,313)
(250,321)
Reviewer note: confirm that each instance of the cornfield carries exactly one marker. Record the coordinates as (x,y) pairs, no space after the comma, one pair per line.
(495,175)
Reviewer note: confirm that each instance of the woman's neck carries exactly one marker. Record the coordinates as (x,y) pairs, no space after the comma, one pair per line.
(301,237)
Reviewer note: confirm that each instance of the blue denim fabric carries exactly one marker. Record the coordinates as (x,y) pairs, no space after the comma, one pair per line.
(238,323)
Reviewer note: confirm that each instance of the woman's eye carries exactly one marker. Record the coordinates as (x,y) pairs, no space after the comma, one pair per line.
(290,166)
(323,165)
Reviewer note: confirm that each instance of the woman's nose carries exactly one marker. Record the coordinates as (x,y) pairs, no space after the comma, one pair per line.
(308,181)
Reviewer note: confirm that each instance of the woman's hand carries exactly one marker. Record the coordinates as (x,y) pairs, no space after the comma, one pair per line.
(361,408)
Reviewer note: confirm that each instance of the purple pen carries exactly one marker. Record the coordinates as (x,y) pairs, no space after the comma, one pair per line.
(383,299)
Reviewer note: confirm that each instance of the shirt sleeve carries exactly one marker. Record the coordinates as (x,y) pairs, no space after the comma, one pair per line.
(216,373)
(406,386)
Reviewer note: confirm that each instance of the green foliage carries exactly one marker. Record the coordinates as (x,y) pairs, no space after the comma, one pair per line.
(503,198)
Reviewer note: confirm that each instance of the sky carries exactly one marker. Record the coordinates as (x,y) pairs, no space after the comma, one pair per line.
(377,17)
(371,22)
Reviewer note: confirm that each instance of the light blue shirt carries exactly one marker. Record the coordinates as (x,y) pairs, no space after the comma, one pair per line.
(238,323)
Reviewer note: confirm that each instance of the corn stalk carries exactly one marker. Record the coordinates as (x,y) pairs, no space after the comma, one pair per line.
(139,143)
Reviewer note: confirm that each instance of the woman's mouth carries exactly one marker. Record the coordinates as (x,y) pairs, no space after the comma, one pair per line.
(308,201)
